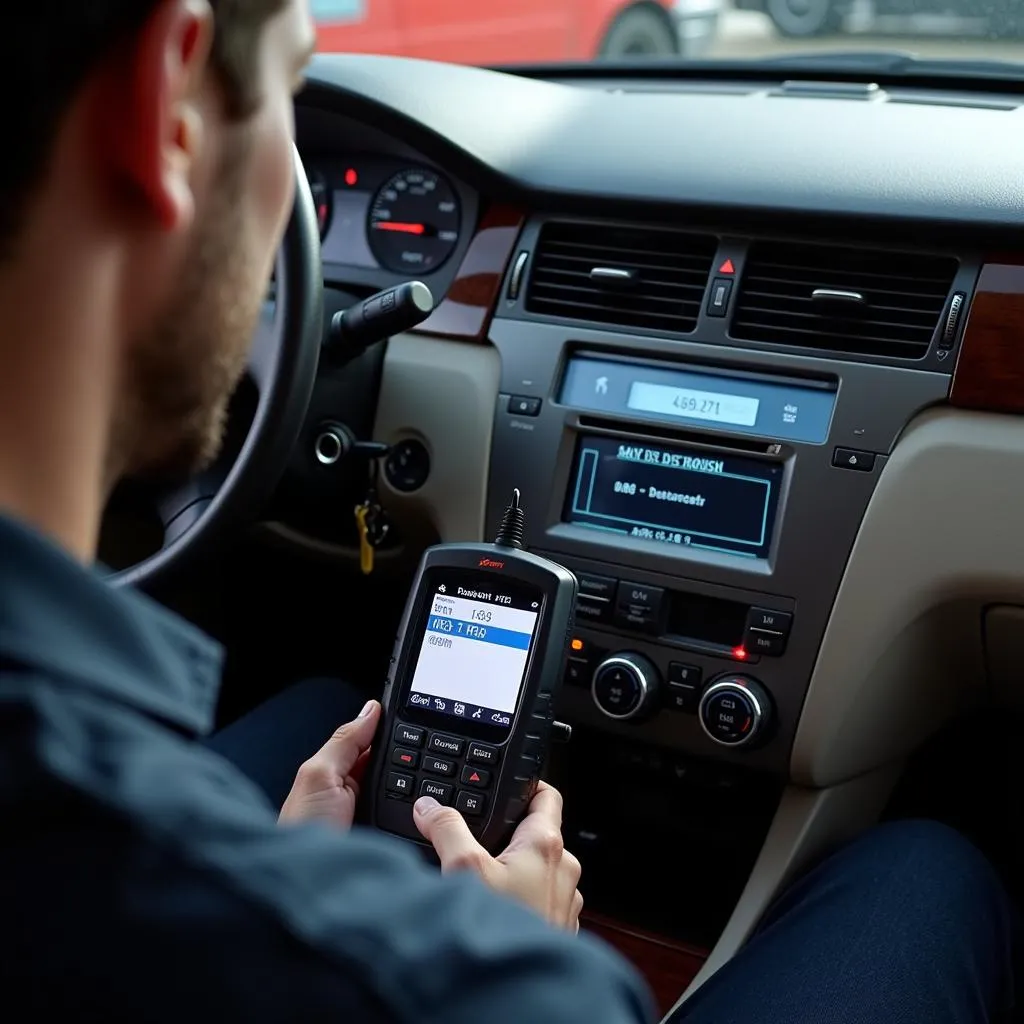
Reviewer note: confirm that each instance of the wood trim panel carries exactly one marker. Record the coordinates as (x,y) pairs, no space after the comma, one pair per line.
(668,966)
(989,374)
(465,312)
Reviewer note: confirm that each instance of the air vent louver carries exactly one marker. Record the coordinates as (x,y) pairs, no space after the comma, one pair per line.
(648,278)
(857,301)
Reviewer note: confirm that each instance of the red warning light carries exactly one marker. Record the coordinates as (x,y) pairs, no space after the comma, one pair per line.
(474,777)
(351,177)
(727,268)
(739,653)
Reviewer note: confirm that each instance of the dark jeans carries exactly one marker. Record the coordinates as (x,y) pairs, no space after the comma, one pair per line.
(908,924)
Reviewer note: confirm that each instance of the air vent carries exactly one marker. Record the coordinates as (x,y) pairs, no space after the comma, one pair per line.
(857,301)
(647,278)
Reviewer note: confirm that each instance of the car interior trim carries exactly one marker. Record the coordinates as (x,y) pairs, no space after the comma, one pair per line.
(990,371)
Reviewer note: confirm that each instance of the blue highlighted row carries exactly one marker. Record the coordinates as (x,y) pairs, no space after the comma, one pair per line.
(478,631)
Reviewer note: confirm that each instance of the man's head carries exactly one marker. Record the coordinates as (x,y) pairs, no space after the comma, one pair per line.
(150,145)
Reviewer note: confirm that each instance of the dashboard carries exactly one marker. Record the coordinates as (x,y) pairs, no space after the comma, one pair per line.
(749,350)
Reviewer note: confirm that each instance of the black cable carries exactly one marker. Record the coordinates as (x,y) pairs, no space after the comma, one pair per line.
(513,525)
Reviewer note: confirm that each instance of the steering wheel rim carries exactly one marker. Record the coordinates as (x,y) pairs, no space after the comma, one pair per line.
(283,365)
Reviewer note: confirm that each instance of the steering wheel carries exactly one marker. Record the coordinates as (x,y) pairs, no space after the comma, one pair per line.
(282,366)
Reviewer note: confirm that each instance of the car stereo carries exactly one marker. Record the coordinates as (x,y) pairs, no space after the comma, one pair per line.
(707,501)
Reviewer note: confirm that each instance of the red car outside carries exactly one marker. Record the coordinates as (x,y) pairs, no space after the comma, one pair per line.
(522,31)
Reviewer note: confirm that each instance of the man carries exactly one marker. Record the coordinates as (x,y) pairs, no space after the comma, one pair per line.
(145,184)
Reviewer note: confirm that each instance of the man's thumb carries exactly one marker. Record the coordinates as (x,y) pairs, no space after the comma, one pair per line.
(448,833)
(349,742)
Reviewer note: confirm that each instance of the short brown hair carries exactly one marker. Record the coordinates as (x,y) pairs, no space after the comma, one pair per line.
(50,47)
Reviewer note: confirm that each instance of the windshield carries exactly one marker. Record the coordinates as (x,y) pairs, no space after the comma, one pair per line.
(562,31)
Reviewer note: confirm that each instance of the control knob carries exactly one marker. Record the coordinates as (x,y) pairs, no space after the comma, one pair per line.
(734,710)
(625,685)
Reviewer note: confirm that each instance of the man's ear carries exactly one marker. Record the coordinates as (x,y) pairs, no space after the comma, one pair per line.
(156,137)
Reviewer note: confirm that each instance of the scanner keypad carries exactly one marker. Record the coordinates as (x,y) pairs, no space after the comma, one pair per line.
(445,759)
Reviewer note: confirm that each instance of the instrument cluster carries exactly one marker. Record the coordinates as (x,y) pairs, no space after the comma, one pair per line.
(381,214)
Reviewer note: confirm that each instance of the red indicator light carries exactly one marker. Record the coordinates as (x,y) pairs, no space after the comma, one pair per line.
(351,177)
(727,268)
(739,653)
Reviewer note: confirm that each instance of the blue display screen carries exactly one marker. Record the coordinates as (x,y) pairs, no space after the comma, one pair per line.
(783,410)
(678,496)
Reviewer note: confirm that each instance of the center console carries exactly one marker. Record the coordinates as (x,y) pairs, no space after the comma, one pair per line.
(708,496)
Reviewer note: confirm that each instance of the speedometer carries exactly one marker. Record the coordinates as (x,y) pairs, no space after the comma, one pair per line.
(414,222)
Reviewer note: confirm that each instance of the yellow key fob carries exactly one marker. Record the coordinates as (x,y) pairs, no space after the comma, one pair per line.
(365,547)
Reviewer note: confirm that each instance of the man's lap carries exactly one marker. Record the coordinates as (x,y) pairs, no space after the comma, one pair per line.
(271,741)
(909,923)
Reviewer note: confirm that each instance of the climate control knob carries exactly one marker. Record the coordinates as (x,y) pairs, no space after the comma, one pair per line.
(735,710)
(625,685)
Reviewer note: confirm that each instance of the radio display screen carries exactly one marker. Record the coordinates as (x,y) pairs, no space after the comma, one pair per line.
(697,397)
(474,648)
(674,495)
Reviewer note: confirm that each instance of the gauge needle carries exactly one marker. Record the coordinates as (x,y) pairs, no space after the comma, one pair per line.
(394,225)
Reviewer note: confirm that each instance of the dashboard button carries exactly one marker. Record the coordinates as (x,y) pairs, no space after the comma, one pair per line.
(682,697)
(577,672)
(593,609)
(595,597)
(638,605)
(850,458)
(761,641)
(523,405)
(767,618)
(718,300)
(597,586)
(440,791)
(685,675)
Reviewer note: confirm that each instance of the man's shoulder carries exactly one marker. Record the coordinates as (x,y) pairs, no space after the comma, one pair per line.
(133,838)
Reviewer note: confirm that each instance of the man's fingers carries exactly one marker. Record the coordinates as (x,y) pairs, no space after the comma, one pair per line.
(541,829)
(446,830)
(359,768)
(339,756)
(547,804)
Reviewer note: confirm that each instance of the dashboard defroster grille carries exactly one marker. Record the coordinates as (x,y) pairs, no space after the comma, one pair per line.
(647,278)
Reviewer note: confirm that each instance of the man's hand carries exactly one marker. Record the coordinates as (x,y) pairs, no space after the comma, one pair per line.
(535,868)
(327,785)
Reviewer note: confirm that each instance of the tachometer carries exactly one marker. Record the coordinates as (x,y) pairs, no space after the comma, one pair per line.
(414,222)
